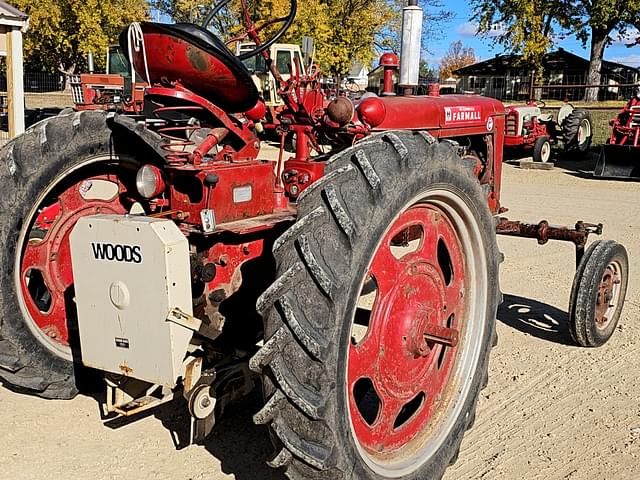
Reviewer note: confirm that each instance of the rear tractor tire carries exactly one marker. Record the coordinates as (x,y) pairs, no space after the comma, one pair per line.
(379,325)
(598,293)
(542,150)
(59,170)
(577,131)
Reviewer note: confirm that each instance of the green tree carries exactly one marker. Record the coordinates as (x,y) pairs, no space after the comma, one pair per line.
(63,32)
(596,21)
(456,57)
(527,27)
(428,71)
(524,27)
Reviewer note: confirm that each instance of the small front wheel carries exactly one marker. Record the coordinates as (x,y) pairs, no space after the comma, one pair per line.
(542,150)
(598,292)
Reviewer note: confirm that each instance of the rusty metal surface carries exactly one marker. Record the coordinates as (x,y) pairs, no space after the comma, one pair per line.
(544,232)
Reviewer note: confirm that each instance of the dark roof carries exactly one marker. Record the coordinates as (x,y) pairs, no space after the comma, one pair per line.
(7,10)
(558,60)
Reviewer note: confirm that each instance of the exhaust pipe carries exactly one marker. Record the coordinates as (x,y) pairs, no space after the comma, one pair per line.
(411,45)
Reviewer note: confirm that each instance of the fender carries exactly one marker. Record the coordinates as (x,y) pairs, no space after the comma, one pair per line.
(150,138)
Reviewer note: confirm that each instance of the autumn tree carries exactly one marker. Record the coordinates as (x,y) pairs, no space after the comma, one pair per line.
(63,32)
(343,31)
(524,27)
(596,21)
(527,27)
(456,57)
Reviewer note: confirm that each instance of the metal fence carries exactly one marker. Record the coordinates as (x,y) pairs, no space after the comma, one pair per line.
(557,86)
(38,82)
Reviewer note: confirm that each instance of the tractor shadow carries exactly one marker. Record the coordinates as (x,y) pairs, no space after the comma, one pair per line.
(578,166)
(242,447)
(534,318)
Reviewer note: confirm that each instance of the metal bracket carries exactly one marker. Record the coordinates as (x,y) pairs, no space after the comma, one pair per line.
(544,232)
(192,323)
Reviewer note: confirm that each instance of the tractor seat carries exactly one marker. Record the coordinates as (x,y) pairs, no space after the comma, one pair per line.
(196,58)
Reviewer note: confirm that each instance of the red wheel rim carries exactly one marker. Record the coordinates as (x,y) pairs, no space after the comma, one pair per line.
(399,370)
(45,271)
(607,295)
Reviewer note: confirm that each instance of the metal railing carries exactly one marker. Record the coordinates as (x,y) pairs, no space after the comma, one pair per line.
(38,82)
(555,87)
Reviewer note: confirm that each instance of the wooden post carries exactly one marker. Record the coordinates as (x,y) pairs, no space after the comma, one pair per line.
(15,82)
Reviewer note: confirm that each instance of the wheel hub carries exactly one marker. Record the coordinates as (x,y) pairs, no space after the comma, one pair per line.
(605,295)
(46,271)
(399,371)
(406,317)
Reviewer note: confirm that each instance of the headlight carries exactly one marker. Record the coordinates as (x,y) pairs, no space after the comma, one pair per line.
(149,181)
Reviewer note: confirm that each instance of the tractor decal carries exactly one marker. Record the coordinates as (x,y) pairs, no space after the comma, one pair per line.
(462,114)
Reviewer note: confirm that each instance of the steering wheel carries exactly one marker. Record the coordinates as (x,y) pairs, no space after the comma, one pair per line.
(250,28)
(536,103)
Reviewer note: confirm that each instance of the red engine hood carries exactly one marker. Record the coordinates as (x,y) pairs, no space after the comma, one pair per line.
(448,111)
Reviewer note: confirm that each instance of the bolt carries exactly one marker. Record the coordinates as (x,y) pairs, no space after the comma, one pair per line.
(245,250)
(205,402)
(223,260)
(217,296)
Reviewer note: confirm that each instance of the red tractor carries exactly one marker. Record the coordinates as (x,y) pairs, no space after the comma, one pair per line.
(528,129)
(357,280)
(620,157)
(117,90)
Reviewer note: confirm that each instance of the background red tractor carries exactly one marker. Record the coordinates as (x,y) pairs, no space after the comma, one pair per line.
(620,157)
(527,128)
(358,279)
(118,89)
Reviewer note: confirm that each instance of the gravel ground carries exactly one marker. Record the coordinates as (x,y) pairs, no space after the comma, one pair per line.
(551,410)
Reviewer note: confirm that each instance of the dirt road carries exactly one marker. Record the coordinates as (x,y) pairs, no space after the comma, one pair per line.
(551,410)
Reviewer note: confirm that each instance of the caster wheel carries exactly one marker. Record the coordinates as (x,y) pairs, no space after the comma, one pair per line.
(598,292)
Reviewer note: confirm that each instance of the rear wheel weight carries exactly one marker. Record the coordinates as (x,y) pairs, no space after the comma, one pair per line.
(405,215)
(60,170)
(598,292)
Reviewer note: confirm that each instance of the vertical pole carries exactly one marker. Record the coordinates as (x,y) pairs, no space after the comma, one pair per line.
(15,82)
(411,46)
(532,92)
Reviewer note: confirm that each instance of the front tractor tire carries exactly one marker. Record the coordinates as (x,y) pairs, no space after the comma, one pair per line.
(379,325)
(61,169)
(598,293)
(542,150)
(577,131)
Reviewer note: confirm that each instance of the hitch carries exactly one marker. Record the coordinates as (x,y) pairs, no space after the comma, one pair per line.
(544,232)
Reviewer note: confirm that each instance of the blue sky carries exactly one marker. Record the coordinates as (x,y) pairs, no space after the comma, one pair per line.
(460,28)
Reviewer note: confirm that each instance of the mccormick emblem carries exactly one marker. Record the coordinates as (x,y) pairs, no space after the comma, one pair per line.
(462,114)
